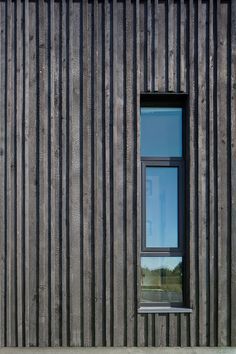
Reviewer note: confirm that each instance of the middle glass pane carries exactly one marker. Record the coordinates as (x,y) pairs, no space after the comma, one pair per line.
(161,207)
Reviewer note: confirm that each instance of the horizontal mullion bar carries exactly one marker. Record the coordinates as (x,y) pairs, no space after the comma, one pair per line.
(161,254)
(161,159)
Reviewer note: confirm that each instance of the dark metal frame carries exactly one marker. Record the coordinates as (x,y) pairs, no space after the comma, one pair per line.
(164,163)
(178,101)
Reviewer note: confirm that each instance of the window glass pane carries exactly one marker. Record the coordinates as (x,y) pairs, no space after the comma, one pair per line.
(161,132)
(161,207)
(161,279)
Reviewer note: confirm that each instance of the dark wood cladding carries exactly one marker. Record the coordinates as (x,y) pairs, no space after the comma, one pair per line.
(71,74)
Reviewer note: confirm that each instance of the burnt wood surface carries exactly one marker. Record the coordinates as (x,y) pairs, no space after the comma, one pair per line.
(71,75)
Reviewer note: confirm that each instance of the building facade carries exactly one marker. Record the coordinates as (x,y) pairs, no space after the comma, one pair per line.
(73,77)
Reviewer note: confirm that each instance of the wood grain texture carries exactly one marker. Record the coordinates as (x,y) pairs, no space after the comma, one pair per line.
(33,181)
(212,177)
(192,175)
(202,175)
(222,177)
(232,62)
(75,189)
(71,75)
(2,183)
(26,187)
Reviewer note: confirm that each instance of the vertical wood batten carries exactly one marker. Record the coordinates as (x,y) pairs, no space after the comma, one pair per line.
(223,305)
(147,40)
(183,46)
(142,46)
(32,176)
(212,177)
(10,169)
(184,330)
(108,170)
(138,83)
(229,168)
(75,194)
(137,167)
(129,161)
(192,174)
(69,105)
(87,271)
(119,180)
(173,330)
(172,40)
(97,168)
(26,286)
(233,172)
(113,113)
(56,19)
(155,43)
(51,177)
(98,101)
(161,51)
(202,175)
(2,176)
(42,175)
(18,163)
(163,339)
(149,329)
(54,248)
(63,169)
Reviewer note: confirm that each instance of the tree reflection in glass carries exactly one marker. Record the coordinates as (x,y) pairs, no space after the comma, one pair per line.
(161,279)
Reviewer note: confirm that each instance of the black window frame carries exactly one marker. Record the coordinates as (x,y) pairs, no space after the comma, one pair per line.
(168,101)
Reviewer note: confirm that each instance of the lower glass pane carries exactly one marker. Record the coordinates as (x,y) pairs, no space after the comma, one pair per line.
(162,207)
(161,279)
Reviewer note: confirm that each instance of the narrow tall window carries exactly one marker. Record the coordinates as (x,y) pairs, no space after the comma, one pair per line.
(162,160)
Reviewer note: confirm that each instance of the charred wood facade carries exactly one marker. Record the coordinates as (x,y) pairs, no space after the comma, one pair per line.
(71,76)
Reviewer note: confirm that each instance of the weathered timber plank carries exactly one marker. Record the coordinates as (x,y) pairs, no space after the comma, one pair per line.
(18,162)
(54,244)
(108,172)
(26,288)
(119,182)
(148,47)
(98,97)
(202,176)
(212,178)
(222,173)
(87,276)
(43,178)
(63,168)
(155,49)
(173,330)
(75,190)
(129,157)
(3,158)
(32,178)
(172,40)
(161,68)
(192,177)
(233,173)
(183,46)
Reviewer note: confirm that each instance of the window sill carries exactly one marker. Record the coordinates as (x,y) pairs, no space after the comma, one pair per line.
(146,309)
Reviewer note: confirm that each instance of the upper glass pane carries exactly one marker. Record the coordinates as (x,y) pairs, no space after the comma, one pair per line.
(161,132)
(161,279)
(161,207)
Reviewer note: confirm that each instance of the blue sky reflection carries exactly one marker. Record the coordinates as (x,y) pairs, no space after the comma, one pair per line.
(161,207)
(161,132)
